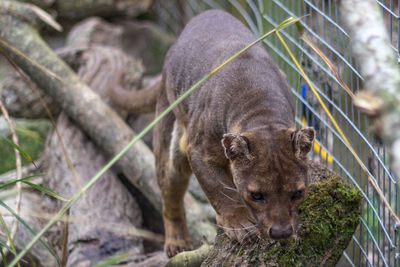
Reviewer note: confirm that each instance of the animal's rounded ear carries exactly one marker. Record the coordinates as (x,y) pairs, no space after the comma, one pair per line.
(302,141)
(236,146)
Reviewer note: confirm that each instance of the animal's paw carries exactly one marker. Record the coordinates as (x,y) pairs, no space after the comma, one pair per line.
(175,246)
(238,224)
(177,238)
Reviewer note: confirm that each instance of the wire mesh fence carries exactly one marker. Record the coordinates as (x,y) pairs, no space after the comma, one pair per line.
(376,241)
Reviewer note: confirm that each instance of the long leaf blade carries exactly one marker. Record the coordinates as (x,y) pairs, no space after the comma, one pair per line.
(3,256)
(4,245)
(19,180)
(17,147)
(9,238)
(30,230)
(114,260)
(46,191)
(286,23)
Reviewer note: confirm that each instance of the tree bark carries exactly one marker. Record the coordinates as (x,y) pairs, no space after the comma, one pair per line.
(99,221)
(377,63)
(87,110)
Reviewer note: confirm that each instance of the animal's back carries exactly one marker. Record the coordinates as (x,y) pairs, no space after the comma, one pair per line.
(206,42)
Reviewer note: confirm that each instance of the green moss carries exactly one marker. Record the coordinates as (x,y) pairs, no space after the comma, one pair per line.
(32,135)
(327,220)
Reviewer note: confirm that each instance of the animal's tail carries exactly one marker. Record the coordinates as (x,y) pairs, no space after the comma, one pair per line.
(135,101)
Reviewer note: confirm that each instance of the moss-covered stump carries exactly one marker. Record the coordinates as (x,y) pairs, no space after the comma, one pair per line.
(328,218)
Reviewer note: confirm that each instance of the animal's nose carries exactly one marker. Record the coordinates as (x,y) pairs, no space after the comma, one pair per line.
(280,231)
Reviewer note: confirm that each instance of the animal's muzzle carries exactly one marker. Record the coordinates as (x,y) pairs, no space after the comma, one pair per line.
(280,231)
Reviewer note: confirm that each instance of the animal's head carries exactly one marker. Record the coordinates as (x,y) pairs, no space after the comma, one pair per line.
(270,174)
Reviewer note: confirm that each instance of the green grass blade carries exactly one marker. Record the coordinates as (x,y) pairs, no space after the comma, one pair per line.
(281,26)
(3,256)
(15,146)
(286,23)
(46,191)
(19,180)
(114,260)
(9,238)
(4,245)
(31,231)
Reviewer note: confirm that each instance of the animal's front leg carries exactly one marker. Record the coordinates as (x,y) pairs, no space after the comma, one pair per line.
(177,238)
(173,172)
(173,177)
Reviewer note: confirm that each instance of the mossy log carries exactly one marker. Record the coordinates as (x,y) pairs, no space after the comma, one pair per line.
(328,218)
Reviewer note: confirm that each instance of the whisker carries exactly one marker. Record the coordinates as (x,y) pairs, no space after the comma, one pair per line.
(228,187)
(249,233)
(236,205)
(252,219)
(234,200)
(231,188)
(235,229)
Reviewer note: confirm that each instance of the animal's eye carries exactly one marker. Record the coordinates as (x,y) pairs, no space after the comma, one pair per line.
(258,197)
(299,194)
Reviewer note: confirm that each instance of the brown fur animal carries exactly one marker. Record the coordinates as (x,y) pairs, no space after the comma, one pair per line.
(236,132)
